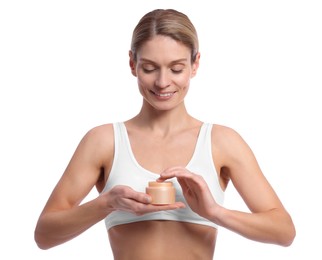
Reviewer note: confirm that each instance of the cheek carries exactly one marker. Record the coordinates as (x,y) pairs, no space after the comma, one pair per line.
(145,84)
(144,79)
(183,82)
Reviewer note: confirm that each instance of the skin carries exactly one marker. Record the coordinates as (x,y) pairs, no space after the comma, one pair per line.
(163,69)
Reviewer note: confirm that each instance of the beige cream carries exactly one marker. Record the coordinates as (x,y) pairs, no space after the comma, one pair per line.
(161,192)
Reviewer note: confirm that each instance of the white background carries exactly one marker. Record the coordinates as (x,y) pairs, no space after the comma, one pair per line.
(64,69)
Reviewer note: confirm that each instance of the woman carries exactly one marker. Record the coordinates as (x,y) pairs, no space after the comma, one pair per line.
(164,143)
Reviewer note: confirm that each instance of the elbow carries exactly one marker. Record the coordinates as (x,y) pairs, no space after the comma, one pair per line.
(42,240)
(43,246)
(287,241)
(287,235)
(43,235)
(289,238)
(285,230)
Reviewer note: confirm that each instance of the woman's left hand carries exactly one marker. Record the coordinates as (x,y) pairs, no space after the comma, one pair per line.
(195,190)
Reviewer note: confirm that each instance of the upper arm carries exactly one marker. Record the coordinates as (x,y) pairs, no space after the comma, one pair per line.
(238,163)
(93,154)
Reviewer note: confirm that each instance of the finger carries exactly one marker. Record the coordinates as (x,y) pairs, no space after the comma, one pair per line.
(172,173)
(140,209)
(155,208)
(184,185)
(187,180)
(175,205)
(137,196)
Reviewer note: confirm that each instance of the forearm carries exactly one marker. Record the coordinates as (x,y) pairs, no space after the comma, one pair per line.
(274,226)
(56,227)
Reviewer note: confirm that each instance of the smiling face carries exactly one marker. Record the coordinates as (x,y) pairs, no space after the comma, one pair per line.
(163,68)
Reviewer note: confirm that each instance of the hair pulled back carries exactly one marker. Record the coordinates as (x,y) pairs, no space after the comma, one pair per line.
(166,22)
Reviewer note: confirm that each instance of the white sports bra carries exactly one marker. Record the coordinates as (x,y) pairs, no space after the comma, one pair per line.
(127,171)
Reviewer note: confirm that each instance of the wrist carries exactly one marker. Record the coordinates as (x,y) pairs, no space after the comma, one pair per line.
(218,214)
(104,204)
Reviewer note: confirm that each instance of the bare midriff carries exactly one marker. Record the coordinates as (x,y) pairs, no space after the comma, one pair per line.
(161,239)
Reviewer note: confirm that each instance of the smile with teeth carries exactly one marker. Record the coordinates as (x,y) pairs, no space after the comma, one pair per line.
(168,94)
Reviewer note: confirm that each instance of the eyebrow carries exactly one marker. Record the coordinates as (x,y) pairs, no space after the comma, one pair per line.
(172,62)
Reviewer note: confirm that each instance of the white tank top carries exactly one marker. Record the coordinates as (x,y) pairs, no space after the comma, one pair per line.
(127,171)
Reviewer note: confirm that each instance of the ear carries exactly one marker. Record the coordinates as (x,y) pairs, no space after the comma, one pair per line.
(195,65)
(132,64)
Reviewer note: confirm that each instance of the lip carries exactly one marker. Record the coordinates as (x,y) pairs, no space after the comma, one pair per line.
(163,95)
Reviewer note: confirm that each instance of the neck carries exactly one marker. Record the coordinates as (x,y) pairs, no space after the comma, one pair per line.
(163,121)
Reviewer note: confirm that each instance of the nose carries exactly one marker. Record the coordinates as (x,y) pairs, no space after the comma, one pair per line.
(163,79)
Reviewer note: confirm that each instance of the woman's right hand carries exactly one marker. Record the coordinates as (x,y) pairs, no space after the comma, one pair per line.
(124,198)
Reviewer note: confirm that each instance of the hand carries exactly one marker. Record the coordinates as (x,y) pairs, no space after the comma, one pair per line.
(126,199)
(195,190)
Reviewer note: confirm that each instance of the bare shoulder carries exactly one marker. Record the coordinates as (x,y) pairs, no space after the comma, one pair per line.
(98,144)
(226,136)
(228,145)
(101,131)
(101,135)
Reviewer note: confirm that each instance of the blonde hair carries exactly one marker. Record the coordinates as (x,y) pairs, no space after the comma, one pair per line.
(167,22)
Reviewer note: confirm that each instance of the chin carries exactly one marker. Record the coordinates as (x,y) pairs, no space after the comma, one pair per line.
(165,107)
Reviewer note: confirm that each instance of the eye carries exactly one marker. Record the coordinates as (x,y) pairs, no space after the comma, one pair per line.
(148,68)
(177,69)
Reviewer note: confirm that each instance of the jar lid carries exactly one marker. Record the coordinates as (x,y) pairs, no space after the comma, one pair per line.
(160,184)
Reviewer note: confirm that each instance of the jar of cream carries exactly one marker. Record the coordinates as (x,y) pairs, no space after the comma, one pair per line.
(161,192)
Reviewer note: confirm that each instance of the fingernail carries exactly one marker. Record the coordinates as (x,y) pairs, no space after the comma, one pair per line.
(148,199)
